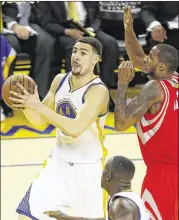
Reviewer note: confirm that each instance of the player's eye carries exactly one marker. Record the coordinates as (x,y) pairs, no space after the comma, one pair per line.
(74,51)
(83,53)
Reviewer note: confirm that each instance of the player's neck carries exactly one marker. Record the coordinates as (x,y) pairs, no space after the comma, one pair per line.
(119,189)
(168,76)
(79,81)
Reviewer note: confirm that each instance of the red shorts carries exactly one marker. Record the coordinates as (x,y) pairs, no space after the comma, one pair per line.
(160,194)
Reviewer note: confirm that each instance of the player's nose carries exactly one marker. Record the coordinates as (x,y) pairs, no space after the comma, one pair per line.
(145,60)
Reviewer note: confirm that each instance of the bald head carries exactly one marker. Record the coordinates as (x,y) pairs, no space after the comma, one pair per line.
(117,174)
(121,167)
(169,56)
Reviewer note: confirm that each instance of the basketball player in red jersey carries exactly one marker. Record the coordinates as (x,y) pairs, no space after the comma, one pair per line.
(155,111)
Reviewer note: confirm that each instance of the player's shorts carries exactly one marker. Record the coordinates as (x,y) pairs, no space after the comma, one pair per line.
(75,189)
(160,193)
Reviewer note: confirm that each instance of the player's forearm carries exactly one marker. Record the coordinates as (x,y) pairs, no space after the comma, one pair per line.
(134,49)
(34,117)
(67,125)
(120,113)
(66,217)
(81,218)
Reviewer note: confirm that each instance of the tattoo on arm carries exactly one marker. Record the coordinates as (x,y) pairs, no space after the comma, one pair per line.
(134,49)
(127,115)
(121,105)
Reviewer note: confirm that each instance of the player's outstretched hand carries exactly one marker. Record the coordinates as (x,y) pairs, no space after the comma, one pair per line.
(126,72)
(27,100)
(56,214)
(128,20)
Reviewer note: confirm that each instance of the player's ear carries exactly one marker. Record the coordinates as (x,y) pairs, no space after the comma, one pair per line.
(162,66)
(96,59)
(109,176)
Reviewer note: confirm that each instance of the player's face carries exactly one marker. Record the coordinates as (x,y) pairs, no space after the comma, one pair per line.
(151,62)
(103,179)
(83,59)
(106,177)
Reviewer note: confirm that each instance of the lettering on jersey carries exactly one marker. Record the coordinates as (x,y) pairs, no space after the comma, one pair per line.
(176,102)
(66,108)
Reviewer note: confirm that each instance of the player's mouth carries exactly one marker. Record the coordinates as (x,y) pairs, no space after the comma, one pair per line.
(75,64)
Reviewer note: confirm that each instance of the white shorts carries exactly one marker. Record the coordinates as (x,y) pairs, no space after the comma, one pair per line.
(75,189)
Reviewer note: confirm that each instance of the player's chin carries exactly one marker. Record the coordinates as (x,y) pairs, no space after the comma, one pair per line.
(146,72)
(76,73)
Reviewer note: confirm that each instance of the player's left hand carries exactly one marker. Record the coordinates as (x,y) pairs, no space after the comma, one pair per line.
(126,72)
(27,100)
(56,214)
(128,19)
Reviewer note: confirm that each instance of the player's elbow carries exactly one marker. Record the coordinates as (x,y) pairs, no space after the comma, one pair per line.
(120,126)
(77,132)
(73,132)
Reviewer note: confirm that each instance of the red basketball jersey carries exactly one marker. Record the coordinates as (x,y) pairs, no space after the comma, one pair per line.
(158,133)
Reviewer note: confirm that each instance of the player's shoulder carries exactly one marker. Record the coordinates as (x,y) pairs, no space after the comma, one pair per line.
(123,205)
(58,78)
(99,91)
(153,89)
(98,87)
(56,81)
(152,84)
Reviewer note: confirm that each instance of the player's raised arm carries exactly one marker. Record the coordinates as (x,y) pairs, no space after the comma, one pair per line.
(128,115)
(133,47)
(96,100)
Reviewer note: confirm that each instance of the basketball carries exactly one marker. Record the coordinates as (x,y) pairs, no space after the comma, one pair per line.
(10,85)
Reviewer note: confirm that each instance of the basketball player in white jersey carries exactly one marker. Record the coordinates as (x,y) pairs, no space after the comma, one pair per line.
(77,105)
(123,204)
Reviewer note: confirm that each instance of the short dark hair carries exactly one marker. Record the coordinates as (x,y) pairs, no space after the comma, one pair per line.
(168,55)
(122,167)
(96,45)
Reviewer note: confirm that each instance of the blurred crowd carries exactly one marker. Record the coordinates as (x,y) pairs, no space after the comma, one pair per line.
(47,31)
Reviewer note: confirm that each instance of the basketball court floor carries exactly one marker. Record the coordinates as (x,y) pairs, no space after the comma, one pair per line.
(24,147)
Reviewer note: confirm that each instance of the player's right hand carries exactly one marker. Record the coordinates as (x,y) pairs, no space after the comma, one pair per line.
(128,19)
(126,73)
(56,214)
(27,100)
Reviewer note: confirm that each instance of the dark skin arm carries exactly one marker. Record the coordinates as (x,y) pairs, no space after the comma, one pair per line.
(120,209)
(133,47)
(123,209)
(150,94)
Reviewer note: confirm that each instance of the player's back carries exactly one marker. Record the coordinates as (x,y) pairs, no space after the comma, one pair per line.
(87,147)
(158,133)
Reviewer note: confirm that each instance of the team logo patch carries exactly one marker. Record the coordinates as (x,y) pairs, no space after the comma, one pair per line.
(66,108)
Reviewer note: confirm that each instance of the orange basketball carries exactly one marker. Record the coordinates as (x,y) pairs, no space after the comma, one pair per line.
(10,85)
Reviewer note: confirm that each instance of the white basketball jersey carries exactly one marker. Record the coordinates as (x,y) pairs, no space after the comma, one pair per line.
(87,147)
(143,214)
